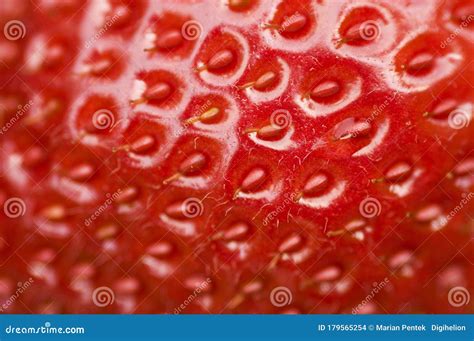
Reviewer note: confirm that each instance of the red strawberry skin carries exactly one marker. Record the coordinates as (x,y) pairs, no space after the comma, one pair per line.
(237,156)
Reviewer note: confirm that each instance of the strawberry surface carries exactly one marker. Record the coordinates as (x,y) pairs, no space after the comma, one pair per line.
(236,156)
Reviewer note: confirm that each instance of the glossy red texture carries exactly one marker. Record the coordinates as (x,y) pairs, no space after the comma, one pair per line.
(236,156)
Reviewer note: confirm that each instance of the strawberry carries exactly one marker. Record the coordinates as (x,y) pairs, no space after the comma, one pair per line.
(237,156)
